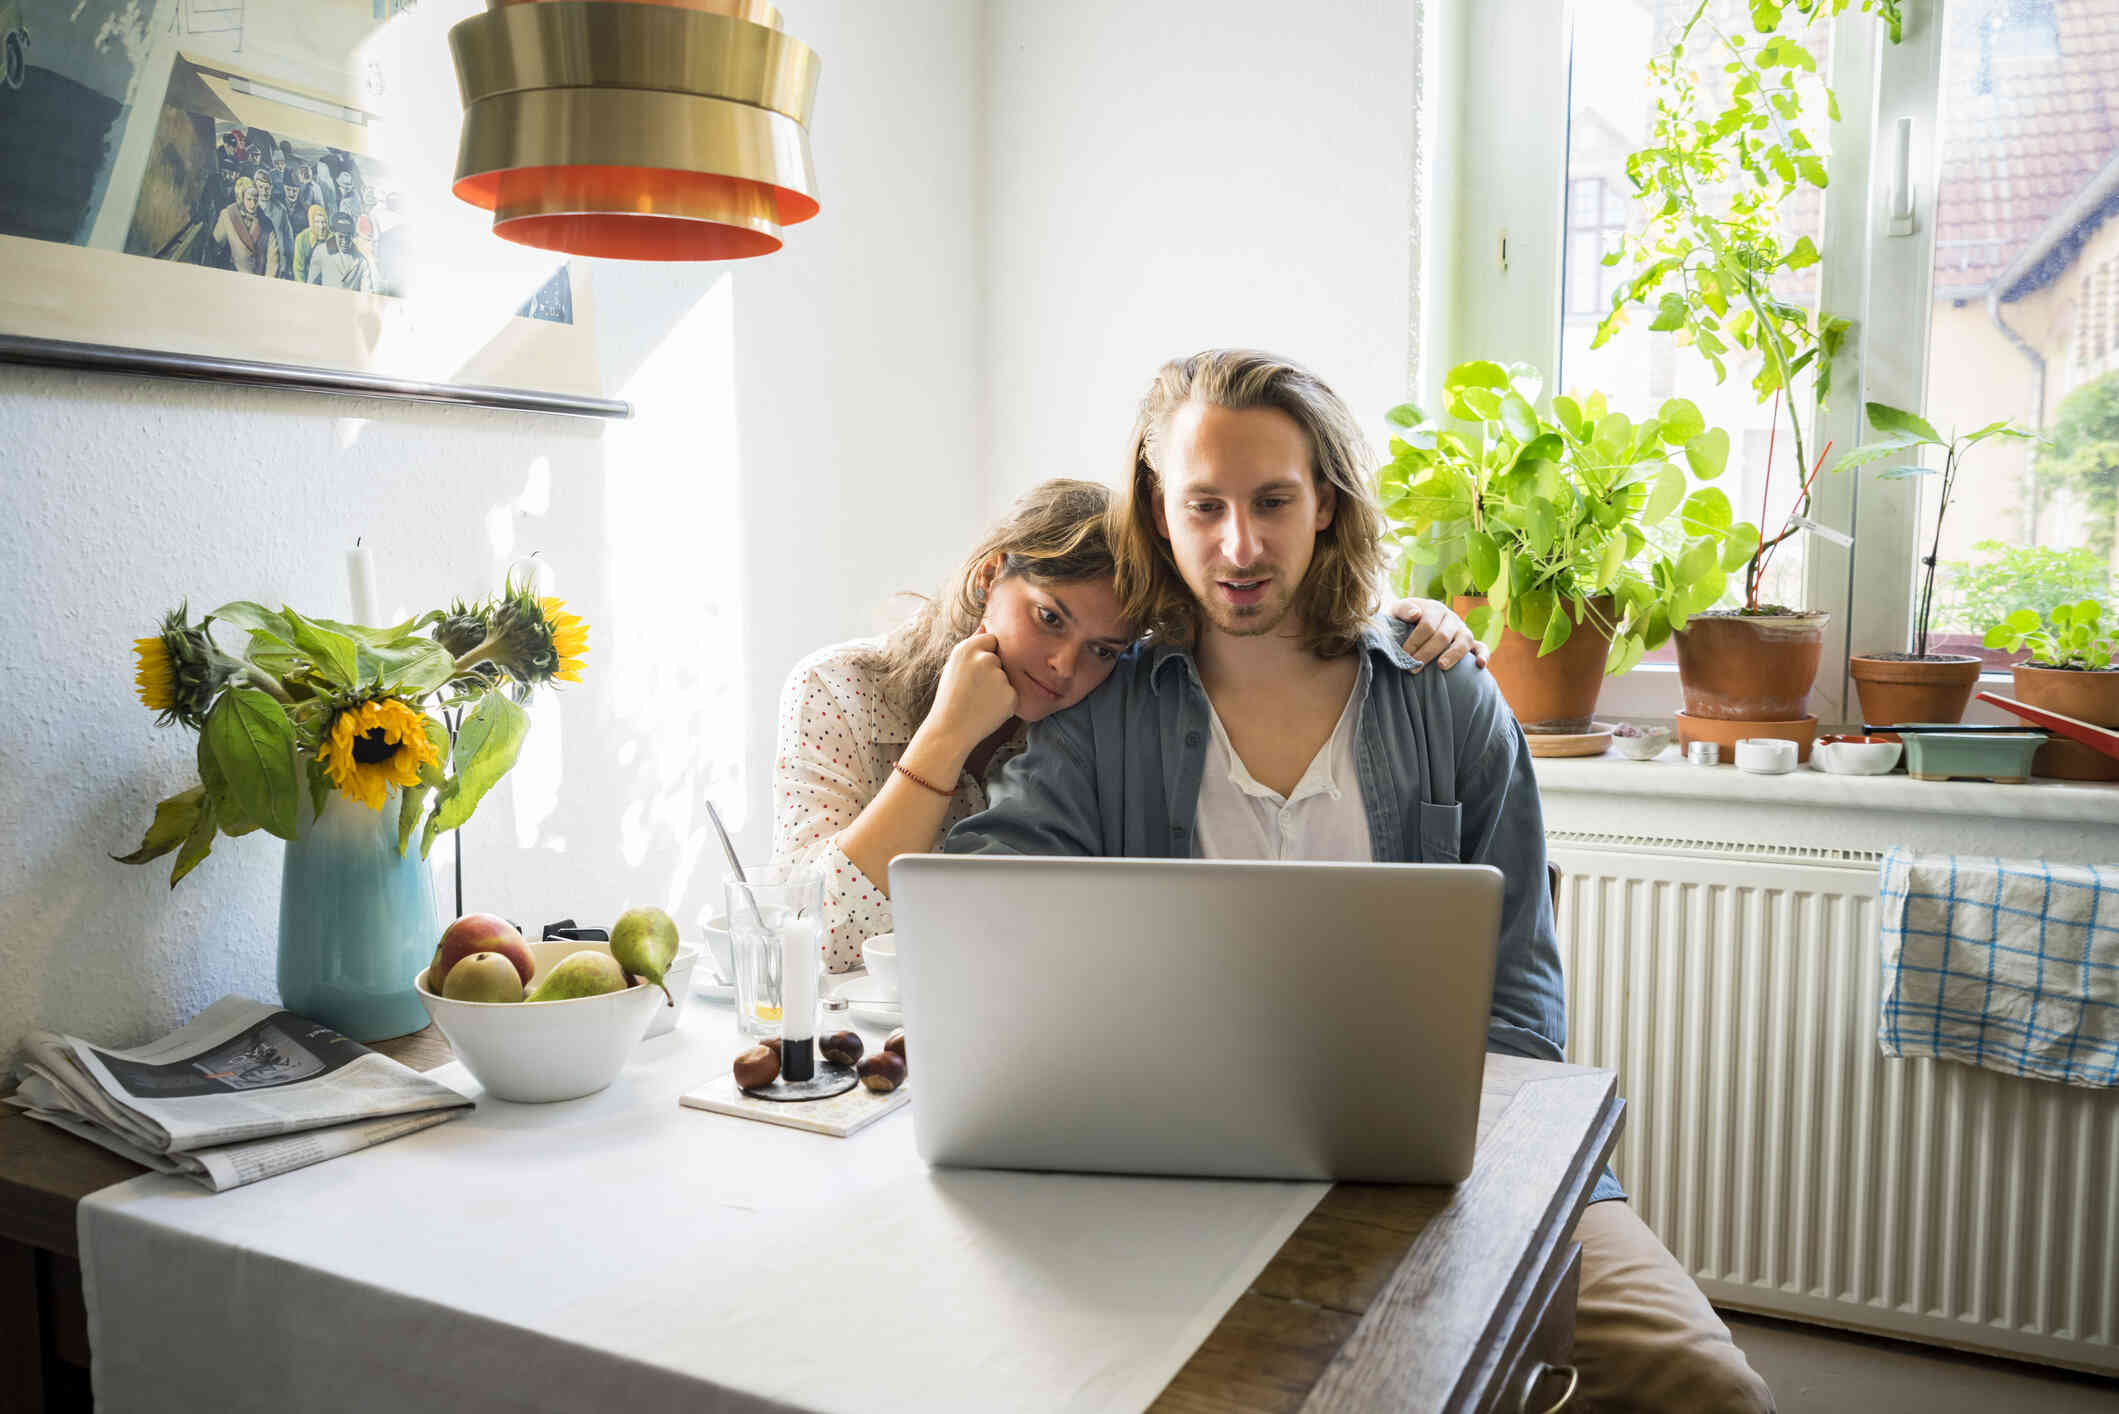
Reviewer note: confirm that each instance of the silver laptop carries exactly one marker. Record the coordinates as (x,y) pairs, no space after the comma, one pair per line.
(1224,1019)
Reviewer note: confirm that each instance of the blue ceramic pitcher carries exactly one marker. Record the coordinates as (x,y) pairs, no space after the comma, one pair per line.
(357,921)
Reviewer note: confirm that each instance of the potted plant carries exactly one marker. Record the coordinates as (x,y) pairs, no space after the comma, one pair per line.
(1919,686)
(331,736)
(2070,671)
(1752,666)
(1537,523)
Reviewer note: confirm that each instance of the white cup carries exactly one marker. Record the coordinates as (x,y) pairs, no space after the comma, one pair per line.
(1768,756)
(721,948)
(880,955)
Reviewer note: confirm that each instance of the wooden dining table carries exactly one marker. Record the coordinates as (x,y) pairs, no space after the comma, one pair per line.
(1398,1297)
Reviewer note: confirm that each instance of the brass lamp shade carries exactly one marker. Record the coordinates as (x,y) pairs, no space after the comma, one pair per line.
(636,129)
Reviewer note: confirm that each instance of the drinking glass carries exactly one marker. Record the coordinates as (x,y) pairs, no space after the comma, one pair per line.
(777,903)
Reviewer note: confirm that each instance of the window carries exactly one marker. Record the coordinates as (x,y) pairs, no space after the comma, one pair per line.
(2021,321)
(1596,218)
(1999,299)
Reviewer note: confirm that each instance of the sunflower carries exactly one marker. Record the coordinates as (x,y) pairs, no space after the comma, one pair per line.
(372,746)
(179,671)
(157,678)
(570,638)
(535,639)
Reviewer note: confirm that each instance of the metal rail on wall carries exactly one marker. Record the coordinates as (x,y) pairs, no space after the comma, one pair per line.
(150,363)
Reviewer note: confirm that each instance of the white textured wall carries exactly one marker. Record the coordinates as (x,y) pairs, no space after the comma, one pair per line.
(804,445)
(1173,177)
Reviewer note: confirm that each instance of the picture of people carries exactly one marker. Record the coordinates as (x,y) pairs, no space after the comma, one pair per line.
(216,193)
(165,157)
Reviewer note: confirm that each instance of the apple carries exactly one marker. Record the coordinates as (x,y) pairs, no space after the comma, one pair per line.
(475,933)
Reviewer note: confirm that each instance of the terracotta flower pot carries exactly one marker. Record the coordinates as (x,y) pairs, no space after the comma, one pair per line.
(1750,668)
(1905,689)
(2091,696)
(1556,693)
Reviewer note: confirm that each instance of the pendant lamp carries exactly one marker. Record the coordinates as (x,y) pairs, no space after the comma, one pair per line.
(636,129)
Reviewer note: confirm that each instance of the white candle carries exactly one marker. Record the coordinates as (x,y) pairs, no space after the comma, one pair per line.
(798,979)
(360,575)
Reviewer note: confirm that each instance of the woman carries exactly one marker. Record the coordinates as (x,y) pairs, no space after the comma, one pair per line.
(885,744)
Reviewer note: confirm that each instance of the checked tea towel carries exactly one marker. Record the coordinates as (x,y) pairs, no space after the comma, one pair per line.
(2008,964)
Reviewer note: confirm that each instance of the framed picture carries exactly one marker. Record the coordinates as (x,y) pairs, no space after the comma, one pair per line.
(256,191)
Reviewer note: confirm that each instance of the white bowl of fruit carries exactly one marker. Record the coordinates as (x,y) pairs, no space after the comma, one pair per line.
(534,1022)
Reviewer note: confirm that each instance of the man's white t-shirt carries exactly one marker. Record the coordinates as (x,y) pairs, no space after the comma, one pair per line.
(1322,818)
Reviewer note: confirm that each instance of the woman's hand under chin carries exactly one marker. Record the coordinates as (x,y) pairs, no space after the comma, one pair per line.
(1436,635)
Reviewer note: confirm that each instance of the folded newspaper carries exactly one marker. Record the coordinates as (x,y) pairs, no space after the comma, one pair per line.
(242,1091)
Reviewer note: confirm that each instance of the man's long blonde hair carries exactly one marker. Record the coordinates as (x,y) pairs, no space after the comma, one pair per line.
(1340,591)
(1054,535)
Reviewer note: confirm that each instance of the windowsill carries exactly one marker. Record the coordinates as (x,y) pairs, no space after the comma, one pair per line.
(1670,777)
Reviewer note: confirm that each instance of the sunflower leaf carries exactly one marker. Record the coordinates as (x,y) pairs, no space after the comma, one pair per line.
(319,787)
(228,816)
(363,633)
(438,738)
(197,845)
(409,806)
(254,618)
(411,668)
(174,819)
(486,746)
(253,745)
(334,653)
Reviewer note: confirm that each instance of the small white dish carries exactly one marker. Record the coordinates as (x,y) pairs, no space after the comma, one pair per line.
(880,953)
(1645,747)
(1856,758)
(1765,755)
(868,999)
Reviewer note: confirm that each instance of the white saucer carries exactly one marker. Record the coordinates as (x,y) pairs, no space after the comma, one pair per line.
(704,985)
(865,998)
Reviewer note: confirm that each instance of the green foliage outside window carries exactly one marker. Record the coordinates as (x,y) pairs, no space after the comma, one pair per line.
(1975,594)
(2082,460)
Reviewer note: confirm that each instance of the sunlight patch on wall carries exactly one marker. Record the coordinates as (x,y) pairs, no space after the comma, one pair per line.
(675,601)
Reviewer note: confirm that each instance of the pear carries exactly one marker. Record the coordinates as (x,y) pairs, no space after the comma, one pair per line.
(644,940)
(483,977)
(587,973)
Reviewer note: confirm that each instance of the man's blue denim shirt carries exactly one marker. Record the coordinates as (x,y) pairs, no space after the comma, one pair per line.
(1445,778)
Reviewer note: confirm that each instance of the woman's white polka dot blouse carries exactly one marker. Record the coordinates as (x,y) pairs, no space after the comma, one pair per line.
(838,739)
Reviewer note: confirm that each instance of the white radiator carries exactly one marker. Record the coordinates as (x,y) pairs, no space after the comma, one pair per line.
(1791,1167)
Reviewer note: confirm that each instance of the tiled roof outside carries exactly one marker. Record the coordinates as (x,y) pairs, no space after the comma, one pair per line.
(2030,114)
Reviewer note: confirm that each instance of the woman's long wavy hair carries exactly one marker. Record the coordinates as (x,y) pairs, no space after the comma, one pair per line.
(1054,535)
(1345,578)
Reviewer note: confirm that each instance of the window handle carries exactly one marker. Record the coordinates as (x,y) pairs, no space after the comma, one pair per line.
(1901,223)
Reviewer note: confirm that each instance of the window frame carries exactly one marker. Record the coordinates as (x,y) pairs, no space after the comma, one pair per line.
(1878,279)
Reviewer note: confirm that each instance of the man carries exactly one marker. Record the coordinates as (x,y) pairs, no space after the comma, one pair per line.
(340,265)
(1267,719)
(243,234)
(309,242)
(317,190)
(276,216)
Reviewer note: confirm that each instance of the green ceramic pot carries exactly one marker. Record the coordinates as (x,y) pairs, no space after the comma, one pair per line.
(1983,756)
(357,921)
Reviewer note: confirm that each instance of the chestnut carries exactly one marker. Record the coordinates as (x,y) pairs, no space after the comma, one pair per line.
(895,1043)
(758,1067)
(882,1072)
(840,1047)
(771,1043)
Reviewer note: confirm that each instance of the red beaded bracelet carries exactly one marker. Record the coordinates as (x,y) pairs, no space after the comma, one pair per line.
(899,767)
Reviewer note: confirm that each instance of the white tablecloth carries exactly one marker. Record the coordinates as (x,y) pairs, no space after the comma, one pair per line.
(623,1252)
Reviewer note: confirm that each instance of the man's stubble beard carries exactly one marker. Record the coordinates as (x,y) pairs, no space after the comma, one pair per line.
(1256,621)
